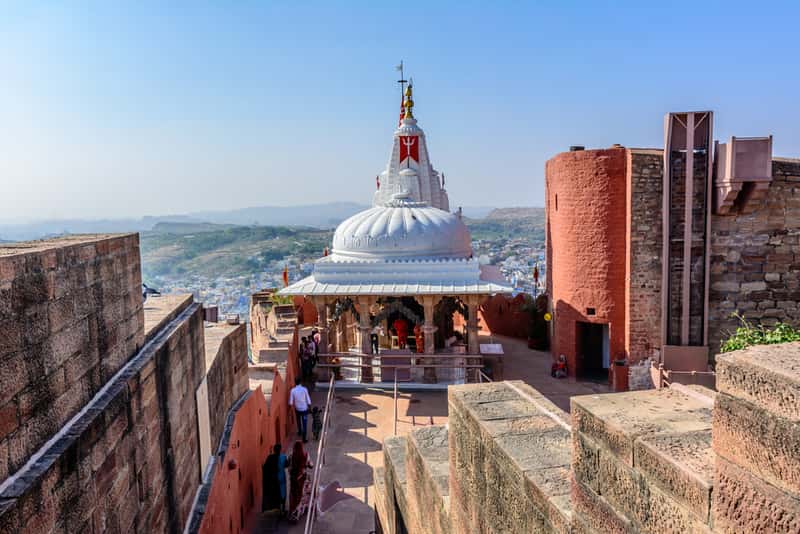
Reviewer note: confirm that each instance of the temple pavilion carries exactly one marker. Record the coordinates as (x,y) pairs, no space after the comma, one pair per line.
(404,265)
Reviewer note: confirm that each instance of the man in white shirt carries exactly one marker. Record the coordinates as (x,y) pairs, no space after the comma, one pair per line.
(300,400)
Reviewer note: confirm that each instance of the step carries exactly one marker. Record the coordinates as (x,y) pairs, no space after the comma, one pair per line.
(428,480)
(273,355)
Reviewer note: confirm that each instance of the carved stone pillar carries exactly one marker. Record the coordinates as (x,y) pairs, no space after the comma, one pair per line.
(428,329)
(364,329)
(322,323)
(472,325)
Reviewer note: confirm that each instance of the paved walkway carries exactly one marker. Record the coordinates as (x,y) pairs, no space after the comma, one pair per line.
(533,368)
(363,418)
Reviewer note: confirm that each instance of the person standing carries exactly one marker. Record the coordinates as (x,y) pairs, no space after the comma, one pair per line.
(401,327)
(317,337)
(300,400)
(300,489)
(306,365)
(282,464)
(271,494)
(419,339)
(374,338)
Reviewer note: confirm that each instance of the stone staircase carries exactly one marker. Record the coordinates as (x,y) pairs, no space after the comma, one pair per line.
(281,331)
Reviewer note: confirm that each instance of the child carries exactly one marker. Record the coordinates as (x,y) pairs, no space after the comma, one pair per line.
(316,425)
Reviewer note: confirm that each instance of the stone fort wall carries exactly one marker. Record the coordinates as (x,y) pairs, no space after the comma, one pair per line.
(70,317)
(754,261)
(125,456)
(676,460)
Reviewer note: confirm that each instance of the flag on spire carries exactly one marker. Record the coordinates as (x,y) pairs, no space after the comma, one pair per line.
(402,81)
(378,182)
(285,275)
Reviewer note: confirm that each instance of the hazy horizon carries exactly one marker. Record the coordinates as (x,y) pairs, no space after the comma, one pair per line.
(114,112)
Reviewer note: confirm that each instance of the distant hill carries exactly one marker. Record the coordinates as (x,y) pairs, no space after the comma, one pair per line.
(317,215)
(180,228)
(321,216)
(226,250)
(314,215)
(510,223)
(499,214)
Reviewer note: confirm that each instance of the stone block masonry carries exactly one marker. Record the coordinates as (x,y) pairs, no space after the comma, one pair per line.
(756,437)
(129,460)
(755,259)
(70,317)
(683,459)
(642,461)
(226,364)
(643,254)
(509,460)
(427,471)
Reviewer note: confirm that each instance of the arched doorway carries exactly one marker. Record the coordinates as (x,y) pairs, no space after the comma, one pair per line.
(443,319)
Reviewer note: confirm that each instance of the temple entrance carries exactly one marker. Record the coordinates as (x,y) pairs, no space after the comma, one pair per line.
(592,349)
(446,333)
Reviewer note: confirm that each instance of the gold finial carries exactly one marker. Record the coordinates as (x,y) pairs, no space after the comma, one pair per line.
(409,103)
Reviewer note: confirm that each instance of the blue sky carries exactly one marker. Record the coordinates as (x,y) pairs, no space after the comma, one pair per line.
(111,109)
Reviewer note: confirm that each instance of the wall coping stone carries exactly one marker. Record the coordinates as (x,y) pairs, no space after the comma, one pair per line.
(765,375)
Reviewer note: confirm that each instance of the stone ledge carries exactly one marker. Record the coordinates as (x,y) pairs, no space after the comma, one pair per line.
(428,479)
(72,240)
(765,444)
(766,375)
(616,420)
(682,465)
(158,311)
(394,463)
(523,445)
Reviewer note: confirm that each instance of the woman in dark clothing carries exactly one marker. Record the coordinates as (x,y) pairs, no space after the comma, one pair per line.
(300,490)
(270,484)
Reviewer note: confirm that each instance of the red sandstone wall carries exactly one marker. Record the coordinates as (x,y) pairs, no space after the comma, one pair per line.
(502,316)
(234,500)
(306,311)
(226,377)
(586,230)
(235,496)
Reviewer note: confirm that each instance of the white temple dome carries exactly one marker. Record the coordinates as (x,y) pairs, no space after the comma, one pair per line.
(402,229)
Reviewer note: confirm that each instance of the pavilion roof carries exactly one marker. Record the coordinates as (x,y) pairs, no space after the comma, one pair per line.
(310,287)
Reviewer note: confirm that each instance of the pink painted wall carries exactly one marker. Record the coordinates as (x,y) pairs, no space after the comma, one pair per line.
(234,501)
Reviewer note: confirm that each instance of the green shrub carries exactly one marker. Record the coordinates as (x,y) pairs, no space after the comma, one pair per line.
(748,334)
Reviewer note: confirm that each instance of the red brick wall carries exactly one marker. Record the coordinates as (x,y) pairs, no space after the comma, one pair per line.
(70,317)
(586,244)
